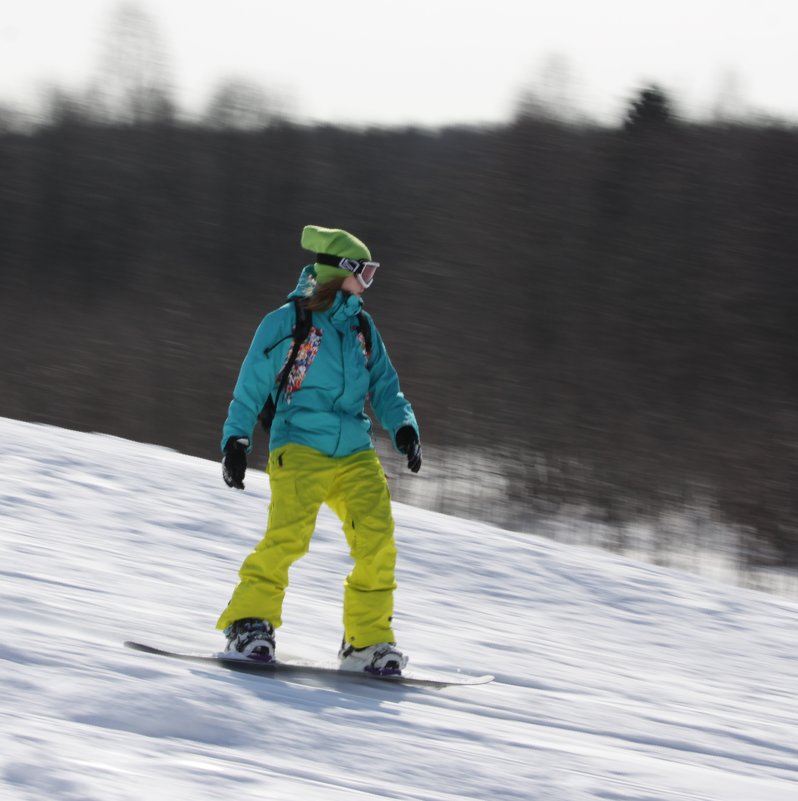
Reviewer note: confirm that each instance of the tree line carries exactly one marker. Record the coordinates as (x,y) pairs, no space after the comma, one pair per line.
(607,313)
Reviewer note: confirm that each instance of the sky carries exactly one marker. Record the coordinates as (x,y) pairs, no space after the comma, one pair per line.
(430,62)
(614,679)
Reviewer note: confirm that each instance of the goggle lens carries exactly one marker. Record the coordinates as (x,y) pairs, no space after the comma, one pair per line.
(366,271)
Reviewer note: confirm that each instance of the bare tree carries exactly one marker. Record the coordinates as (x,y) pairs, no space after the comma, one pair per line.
(133,84)
(553,95)
(240,105)
(730,104)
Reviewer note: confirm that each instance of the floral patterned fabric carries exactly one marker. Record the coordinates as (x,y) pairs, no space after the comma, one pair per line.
(305,356)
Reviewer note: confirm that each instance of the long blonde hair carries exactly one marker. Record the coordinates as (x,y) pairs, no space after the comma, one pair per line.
(324,296)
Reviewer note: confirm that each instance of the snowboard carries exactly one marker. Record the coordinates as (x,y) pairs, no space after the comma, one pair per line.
(298,669)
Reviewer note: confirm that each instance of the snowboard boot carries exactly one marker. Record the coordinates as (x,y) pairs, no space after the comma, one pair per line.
(251,638)
(383,659)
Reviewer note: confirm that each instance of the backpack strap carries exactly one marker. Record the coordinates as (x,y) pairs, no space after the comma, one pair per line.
(302,322)
(364,328)
(303,319)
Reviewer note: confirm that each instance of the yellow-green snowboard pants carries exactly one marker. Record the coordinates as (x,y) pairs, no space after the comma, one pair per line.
(356,489)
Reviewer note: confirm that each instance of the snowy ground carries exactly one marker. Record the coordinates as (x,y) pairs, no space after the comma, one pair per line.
(614,679)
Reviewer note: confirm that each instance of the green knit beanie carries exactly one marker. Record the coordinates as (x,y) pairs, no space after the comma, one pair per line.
(333,242)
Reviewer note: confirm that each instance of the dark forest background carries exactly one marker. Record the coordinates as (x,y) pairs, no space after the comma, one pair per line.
(607,314)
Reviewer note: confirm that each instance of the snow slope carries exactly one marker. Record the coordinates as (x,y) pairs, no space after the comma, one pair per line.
(614,679)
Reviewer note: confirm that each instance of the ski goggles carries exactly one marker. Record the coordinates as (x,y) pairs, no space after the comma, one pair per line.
(362,268)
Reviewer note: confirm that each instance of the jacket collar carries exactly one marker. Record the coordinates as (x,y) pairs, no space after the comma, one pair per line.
(345,307)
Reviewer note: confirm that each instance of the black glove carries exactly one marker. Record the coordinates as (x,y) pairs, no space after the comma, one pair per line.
(234,463)
(408,444)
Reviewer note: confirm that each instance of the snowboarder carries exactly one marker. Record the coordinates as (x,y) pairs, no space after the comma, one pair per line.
(321,451)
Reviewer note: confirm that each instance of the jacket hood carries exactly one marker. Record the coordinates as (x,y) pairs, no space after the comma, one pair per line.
(306,285)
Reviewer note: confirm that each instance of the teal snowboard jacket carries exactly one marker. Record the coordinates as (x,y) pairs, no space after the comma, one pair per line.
(323,404)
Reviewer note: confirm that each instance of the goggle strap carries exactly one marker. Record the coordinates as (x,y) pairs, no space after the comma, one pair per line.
(328,259)
(335,261)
